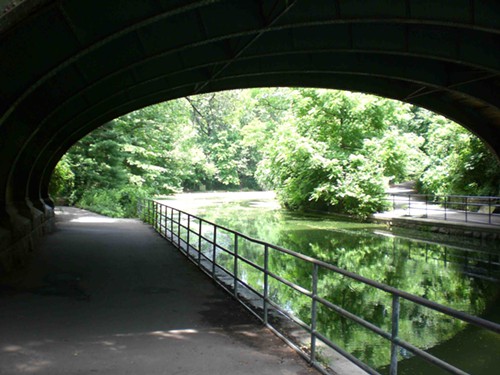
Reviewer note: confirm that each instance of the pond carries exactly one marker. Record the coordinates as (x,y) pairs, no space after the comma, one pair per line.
(456,272)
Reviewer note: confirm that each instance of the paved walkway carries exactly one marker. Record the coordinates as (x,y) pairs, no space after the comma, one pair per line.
(424,211)
(421,211)
(427,211)
(109,296)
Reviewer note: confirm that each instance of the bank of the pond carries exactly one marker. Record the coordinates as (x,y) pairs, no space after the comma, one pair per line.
(460,273)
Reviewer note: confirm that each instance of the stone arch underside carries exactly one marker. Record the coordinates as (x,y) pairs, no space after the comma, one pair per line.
(70,66)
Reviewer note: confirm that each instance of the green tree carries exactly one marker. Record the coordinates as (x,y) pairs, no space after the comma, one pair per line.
(459,162)
(63,180)
(219,120)
(336,152)
(319,149)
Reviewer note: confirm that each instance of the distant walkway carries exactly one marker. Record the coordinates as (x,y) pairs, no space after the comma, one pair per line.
(406,204)
(110,296)
(422,211)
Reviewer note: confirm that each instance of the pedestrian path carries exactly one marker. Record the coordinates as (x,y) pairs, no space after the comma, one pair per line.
(110,296)
(407,205)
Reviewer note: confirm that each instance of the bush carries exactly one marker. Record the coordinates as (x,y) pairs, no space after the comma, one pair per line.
(113,202)
(307,175)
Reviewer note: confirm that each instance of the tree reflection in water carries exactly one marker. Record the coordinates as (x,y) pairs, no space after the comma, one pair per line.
(462,277)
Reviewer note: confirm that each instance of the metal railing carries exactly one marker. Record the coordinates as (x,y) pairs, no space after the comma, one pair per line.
(204,243)
(461,208)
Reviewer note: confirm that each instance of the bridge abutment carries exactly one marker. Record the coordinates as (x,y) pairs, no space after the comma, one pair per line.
(21,229)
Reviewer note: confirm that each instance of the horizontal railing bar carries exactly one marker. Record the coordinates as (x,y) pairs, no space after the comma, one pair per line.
(483,277)
(457,259)
(227,251)
(357,319)
(161,222)
(460,260)
(410,297)
(239,234)
(207,239)
(387,336)
(250,263)
(483,197)
(220,247)
(419,300)
(294,286)
(455,248)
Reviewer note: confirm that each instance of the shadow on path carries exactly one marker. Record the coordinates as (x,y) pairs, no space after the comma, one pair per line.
(109,296)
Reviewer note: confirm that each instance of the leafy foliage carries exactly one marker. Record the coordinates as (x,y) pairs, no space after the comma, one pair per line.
(319,149)
(336,153)
(459,163)
(63,179)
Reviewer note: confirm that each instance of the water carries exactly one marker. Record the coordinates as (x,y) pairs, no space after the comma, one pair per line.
(459,273)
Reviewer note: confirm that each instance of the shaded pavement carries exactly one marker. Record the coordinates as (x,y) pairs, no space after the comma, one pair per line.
(109,296)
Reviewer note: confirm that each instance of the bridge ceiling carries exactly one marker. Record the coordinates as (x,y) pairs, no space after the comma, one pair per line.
(69,66)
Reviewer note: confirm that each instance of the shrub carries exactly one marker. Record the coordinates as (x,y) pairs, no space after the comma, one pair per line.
(113,202)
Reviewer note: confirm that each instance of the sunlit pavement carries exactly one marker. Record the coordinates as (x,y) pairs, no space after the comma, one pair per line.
(109,296)
(427,211)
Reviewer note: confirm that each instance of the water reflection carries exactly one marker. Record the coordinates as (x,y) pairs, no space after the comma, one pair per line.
(460,275)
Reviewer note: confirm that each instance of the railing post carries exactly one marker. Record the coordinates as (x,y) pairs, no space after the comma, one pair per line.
(266,282)
(394,335)
(426,206)
(235,266)
(163,222)
(393,202)
(155,216)
(490,211)
(152,213)
(314,312)
(466,208)
(149,212)
(158,209)
(409,205)
(166,221)
(179,229)
(199,241)
(159,213)
(172,224)
(188,232)
(445,202)
(214,255)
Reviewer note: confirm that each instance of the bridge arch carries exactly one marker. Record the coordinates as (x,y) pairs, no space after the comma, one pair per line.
(70,66)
